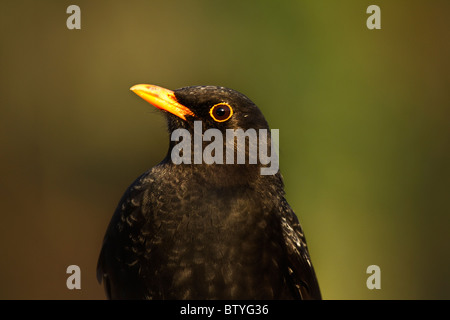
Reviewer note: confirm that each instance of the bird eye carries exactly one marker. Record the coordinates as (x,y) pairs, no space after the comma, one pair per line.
(221,112)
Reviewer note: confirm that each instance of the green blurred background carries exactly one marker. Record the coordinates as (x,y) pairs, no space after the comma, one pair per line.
(363,117)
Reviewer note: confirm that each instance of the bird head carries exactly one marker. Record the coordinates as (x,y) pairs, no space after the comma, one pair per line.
(217,107)
(214,107)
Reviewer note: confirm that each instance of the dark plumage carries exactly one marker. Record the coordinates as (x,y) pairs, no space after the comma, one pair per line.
(198,231)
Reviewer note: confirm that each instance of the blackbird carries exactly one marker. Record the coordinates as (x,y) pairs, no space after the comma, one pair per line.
(205,230)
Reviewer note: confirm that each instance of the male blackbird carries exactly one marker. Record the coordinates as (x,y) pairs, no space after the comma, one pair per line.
(205,231)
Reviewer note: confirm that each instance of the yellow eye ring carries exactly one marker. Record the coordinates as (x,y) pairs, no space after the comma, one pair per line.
(221,112)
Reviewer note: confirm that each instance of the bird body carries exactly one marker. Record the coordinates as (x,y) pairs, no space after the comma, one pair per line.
(198,231)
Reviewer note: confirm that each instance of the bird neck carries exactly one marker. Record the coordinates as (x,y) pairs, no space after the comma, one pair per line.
(224,175)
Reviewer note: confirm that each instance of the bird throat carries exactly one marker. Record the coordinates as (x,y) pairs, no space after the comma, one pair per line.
(233,148)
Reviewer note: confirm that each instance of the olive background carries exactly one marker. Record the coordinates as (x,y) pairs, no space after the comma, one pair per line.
(363,117)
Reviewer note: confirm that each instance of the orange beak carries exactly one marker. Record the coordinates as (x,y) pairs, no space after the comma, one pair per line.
(161,98)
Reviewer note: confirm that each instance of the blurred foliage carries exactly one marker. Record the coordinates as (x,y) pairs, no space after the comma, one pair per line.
(363,118)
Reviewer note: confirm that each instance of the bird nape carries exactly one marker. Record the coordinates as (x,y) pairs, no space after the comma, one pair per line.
(211,229)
